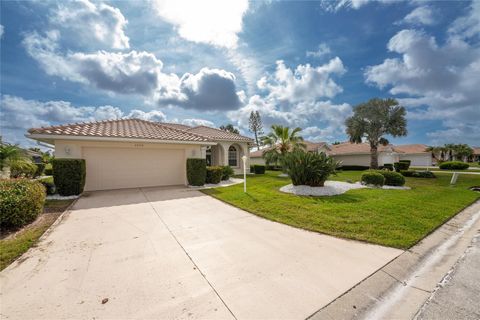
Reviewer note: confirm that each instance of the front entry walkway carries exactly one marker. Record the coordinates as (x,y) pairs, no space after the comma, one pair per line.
(169,253)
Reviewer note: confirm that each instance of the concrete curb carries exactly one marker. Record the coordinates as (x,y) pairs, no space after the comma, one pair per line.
(401,287)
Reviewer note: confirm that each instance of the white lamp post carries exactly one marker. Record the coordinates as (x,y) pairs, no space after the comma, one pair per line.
(244,158)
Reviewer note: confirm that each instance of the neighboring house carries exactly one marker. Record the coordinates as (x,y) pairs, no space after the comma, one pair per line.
(130,153)
(476,155)
(352,154)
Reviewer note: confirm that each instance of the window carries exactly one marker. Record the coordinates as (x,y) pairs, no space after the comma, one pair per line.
(232,157)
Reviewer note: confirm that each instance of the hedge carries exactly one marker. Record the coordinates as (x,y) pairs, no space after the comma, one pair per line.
(227,172)
(418,174)
(40,169)
(69,176)
(374,178)
(258,169)
(196,171)
(22,169)
(399,166)
(48,170)
(21,201)
(392,178)
(388,166)
(214,174)
(353,168)
(49,185)
(454,165)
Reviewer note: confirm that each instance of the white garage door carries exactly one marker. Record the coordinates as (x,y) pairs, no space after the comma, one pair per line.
(115,168)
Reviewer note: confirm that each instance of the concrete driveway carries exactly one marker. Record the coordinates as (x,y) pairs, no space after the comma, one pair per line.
(168,253)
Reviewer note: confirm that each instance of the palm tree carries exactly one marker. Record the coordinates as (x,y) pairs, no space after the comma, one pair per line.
(462,151)
(9,154)
(280,141)
(374,119)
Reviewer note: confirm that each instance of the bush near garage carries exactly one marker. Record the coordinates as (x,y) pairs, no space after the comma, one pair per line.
(49,185)
(353,168)
(227,172)
(22,169)
(373,178)
(454,165)
(418,174)
(196,171)
(308,168)
(69,176)
(40,169)
(392,178)
(21,201)
(214,174)
(399,166)
(258,169)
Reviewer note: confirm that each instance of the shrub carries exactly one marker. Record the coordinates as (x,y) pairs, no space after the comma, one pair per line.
(214,175)
(399,166)
(273,168)
(49,185)
(258,168)
(388,166)
(21,201)
(40,169)
(22,169)
(308,168)
(392,178)
(372,177)
(454,165)
(418,174)
(196,171)
(69,176)
(406,161)
(353,168)
(48,170)
(252,170)
(227,172)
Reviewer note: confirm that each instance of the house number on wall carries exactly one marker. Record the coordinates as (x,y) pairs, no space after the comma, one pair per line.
(138,145)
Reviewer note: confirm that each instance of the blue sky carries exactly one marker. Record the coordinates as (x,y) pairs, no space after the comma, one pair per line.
(301,64)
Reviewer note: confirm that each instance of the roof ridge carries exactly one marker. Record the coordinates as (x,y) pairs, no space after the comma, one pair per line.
(220,130)
(180,130)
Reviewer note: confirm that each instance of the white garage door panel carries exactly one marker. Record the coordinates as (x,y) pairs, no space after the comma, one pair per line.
(115,168)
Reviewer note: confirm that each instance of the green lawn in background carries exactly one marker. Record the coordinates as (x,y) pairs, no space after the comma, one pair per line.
(395,218)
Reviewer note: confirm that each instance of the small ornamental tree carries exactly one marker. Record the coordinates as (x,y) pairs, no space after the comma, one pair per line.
(255,125)
(374,119)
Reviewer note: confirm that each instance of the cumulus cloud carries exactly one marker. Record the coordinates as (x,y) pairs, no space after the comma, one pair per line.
(89,22)
(209,89)
(322,50)
(336,5)
(294,98)
(197,122)
(18,115)
(439,81)
(467,26)
(422,15)
(215,22)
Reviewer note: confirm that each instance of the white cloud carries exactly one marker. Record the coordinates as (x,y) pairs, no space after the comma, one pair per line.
(322,50)
(89,22)
(215,22)
(467,26)
(440,82)
(197,122)
(422,15)
(18,115)
(304,83)
(336,5)
(2,29)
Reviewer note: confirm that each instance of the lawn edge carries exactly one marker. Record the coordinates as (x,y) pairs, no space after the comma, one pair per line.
(44,234)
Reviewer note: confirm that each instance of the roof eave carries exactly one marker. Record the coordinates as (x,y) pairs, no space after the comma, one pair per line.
(50,138)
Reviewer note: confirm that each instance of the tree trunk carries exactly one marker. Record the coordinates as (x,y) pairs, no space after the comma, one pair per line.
(373,157)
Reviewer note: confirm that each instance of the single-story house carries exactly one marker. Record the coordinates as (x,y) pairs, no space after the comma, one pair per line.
(128,153)
(352,154)
(476,155)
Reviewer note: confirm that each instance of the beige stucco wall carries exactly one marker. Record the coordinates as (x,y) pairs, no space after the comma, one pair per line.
(257,160)
(422,159)
(364,159)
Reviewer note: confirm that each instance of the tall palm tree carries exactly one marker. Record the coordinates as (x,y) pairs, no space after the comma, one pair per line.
(374,119)
(280,141)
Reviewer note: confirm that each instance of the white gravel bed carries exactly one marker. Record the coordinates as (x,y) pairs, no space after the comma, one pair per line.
(225,183)
(59,197)
(331,188)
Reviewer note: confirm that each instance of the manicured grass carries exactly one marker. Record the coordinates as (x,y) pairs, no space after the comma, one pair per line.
(396,218)
(14,245)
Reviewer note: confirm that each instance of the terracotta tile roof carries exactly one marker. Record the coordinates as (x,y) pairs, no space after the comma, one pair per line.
(410,148)
(175,125)
(217,134)
(311,146)
(122,128)
(476,150)
(354,148)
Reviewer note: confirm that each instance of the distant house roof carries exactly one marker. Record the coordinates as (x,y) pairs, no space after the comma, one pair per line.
(311,146)
(410,148)
(175,125)
(476,150)
(122,128)
(356,148)
(217,134)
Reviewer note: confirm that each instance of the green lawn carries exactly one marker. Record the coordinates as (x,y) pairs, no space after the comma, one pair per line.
(14,245)
(396,218)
